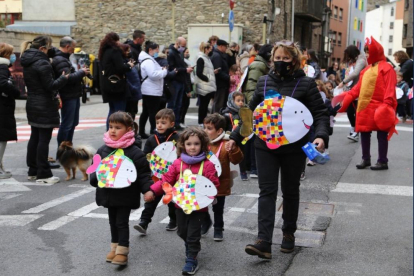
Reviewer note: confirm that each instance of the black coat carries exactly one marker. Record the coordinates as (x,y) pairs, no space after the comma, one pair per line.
(176,61)
(42,106)
(406,68)
(152,143)
(307,93)
(73,88)
(8,94)
(219,60)
(126,197)
(112,63)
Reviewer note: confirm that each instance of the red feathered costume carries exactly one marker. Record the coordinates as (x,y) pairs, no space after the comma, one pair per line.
(376,91)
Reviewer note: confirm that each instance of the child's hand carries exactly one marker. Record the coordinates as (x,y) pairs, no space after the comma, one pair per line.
(230,145)
(149,196)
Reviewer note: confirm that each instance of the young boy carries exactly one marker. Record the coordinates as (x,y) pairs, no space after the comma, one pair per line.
(231,113)
(165,120)
(214,125)
(401,109)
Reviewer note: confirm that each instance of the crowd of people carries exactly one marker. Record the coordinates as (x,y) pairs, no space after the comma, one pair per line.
(165,81)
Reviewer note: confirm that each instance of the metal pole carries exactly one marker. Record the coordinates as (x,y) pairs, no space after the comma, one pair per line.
(229,31)
(293,20)
(173,23)
(264,30)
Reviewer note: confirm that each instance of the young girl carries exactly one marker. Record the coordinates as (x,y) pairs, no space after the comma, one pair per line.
(192,148)
(120,202)
(234,78)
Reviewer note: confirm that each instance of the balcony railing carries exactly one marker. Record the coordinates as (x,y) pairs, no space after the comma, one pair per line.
(310,10)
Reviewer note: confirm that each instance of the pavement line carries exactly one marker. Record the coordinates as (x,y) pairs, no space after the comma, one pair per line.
(56,202)
(248,195)
(17,220)
(136,215)
(243,203)
(94,215)
(84,210)
(373,189)
(53,225)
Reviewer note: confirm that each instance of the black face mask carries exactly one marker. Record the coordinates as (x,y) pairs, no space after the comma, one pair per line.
(283,68)
(210,54)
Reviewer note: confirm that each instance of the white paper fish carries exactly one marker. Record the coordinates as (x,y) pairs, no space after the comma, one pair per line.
(162,158)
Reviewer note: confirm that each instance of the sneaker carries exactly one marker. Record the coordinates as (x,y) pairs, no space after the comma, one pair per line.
(191,266)
(404,119)
(253,174)
(5,175)
(354,136)
(288,243)
(32,177)
(311,163)
(54,165)
(363,164)
(243,176)
(379,166)
(218,235)
(182,125)
(205,227)
(2,168)
(302,176)
(50,180)
(142,228)
(260,248)
(172,226)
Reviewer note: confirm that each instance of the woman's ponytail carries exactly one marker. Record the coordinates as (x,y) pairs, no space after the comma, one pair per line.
(39,41)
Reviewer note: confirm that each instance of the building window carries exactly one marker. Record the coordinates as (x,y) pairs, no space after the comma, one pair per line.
(353,42)
(407,5)
(390,52)
(391,25)
(335,12)
(355,23)
(390,38)
(360,27)
(334,37)
(359,24)
(405,27)
(339,38)
(341,12)
(356,3)
(392,11)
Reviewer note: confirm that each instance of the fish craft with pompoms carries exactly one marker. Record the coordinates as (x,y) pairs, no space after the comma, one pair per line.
(162,158)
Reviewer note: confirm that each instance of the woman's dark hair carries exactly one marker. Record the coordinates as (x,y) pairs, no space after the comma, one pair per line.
(39,41)
(193,131)
(150,45)
(125,119)
(256,47)
(401,56)
(312,55)
(125,48)
(266,51)
(351,53)
(109,41)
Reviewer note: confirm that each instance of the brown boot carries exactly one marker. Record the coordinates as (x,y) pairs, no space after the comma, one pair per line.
(121,255)
(111,255)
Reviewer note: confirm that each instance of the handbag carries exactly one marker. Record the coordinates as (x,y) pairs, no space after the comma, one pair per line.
(113,84)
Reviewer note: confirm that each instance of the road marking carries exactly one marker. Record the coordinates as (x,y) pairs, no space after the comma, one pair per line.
(8,188)
(84,210)
(8,196)
(55,202)
(17,220)
(353,188)
(53,225)
(94,215)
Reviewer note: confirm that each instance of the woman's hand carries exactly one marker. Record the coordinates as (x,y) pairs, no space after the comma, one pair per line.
(216,71)
(66,76)
(230,145)
(131,64)
(320,144)
(149,196)
(341,84)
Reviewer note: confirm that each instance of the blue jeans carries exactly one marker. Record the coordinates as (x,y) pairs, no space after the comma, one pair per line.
(70,119)
(115,106)
(176,100)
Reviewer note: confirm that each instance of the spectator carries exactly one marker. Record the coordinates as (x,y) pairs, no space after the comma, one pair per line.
(234,72)
(9,93)
(313,61)
(333,69)
(113,82)
(244,57)
(176,62)
(161,58)
(253,52)
(69,94)
(189,82)
(205,80)
(406,68)
(213,41)
(219,60)
(42,106)
(232,54)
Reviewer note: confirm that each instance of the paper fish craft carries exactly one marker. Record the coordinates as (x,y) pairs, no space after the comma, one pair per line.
(192,192)
(214,159)
(162,158)
(281,120)
(114,171)
(399,93)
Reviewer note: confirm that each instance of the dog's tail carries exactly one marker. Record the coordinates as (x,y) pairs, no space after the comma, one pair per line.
(85,152)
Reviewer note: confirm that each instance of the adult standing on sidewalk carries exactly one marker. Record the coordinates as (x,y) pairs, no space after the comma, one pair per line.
(8,94)
(219,60)
(69,94)
(42,106)
(314,62)
(176,62)
(376,105)
(113,79)
(406,68)
(356,61)
(152,87)
(189,82)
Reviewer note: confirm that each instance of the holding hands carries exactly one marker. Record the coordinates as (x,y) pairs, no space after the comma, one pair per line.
(149,196)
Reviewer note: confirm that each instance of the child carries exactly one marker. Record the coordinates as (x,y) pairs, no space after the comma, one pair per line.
(120,202)
(165,120)
(231,113)
(234,77)
(403,100)
(214,125)
(192,149)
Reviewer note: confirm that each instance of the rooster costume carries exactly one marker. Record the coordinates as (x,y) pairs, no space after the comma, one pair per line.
(376,104)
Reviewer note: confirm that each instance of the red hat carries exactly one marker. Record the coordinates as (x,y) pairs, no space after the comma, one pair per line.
(376,52)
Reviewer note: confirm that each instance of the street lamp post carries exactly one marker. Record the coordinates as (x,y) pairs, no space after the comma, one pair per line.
(173,21)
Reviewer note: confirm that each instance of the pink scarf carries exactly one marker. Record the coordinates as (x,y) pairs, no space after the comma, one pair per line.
(125,141)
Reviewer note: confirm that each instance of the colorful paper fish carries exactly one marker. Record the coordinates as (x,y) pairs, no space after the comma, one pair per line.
(162,158)
(281,120)
(114,171)
(214,159)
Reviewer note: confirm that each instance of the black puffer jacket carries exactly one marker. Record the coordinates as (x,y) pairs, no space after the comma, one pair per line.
(8,94)
(126,197)
(135,49)
(152,142)
(73,89)
(41,106)
(219,60)
(406,68)
(306,92)
(176,61)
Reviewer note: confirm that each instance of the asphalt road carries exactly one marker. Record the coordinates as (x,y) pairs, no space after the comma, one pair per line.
(351,222)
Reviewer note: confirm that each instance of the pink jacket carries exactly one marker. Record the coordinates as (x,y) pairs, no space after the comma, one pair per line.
(173,174)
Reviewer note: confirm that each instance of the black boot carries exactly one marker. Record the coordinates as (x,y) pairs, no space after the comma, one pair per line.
(261,249)
(379,166)
(288,243)
(363,164)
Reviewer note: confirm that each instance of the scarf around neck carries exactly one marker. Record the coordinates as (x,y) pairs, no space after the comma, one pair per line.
(218,138)
(125,141)
(191,160)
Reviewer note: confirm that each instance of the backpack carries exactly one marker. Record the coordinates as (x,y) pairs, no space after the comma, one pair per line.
(138,67)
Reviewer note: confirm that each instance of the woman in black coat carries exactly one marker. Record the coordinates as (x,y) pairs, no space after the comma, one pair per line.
(7,103)
(113,80)
(289,80)
(42,106)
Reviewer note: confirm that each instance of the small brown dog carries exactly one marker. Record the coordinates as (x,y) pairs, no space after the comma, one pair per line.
(70,158)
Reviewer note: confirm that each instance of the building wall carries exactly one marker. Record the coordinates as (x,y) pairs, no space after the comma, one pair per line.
(339,26)
(11,6)
(15,38)
(407,41)
(46,10)
(357,13)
